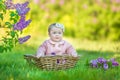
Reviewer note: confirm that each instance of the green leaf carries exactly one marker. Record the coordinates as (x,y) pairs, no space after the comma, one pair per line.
(1,16)
(2,7)
(4,39)
(5,49)
(12,14)
(17,16)
(12,33)
(9,25)
(1,49)
(14,20)
(9,48)
(16,40)
(87,62)
(109,64)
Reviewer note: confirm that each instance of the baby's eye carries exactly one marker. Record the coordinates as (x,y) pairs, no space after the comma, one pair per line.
(59,33)
(54,32)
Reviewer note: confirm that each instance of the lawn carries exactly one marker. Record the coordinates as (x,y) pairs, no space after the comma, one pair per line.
(13,66)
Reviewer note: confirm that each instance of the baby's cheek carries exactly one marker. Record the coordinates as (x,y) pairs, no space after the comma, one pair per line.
(61,36)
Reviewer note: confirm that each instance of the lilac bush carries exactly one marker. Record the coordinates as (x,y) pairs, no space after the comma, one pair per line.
(14,25)
(103,63)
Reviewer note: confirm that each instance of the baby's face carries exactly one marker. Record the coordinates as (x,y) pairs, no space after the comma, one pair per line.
(56,34)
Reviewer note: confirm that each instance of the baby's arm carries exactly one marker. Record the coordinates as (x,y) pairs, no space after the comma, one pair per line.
(71,51)
(41,50)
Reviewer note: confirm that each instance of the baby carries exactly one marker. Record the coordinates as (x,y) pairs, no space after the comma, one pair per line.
(56,45)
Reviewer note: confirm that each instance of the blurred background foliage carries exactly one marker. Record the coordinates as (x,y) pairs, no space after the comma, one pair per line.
(84,19)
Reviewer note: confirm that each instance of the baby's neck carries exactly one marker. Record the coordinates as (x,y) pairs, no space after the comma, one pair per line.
(56,41)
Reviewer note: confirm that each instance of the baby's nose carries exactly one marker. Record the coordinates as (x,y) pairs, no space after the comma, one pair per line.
(57,34)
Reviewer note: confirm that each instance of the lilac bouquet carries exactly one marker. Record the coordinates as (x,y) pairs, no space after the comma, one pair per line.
(103,63)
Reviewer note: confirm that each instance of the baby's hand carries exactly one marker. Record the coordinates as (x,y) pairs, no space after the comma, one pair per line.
(74,55)
(39,55)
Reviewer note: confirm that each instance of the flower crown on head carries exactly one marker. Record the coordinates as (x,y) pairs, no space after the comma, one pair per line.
(59,25)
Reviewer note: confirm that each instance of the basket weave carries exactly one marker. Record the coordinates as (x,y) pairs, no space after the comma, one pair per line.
(52,62)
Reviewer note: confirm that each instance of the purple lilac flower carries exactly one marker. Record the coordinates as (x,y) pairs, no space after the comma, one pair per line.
(101,60)
(24,39)
(21,24)
(58,61)
(53,53)
(114,63)
(93,63)
(9,4)
(21,8)
(105,66)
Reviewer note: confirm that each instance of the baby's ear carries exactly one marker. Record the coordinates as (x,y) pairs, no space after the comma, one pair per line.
(49,33)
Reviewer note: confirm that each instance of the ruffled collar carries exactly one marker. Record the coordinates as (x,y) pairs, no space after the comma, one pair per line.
(52,42)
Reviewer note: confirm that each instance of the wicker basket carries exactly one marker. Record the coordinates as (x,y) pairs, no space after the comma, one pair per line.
(52,62)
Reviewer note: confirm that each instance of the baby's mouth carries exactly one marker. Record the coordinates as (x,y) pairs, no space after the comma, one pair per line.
(56,38)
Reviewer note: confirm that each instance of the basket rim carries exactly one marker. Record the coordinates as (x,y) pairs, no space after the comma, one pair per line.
(33,56)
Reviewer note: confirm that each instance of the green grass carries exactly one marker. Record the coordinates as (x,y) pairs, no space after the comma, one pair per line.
(13,66)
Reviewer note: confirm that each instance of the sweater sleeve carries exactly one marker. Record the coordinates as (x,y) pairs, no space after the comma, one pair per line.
(41,50)
(71,51)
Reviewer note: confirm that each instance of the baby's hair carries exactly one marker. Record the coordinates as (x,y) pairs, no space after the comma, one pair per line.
(57,25)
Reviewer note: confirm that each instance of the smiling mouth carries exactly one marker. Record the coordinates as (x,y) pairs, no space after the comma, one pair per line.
(57,38)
